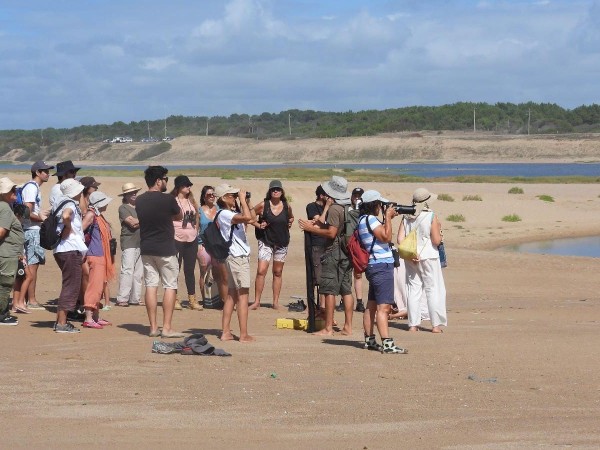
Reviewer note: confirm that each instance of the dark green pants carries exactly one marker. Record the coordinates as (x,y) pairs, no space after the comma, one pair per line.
(8,271)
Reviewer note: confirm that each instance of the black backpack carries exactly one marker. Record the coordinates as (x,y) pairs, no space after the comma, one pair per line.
(214,242)
(49,237)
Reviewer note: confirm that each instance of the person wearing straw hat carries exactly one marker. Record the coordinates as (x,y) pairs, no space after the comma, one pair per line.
(70,252)
(11,248)
(132,270)
(336,270)
(424,273)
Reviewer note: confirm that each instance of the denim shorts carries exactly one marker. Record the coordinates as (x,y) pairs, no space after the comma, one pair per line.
(34,252)
(381,283)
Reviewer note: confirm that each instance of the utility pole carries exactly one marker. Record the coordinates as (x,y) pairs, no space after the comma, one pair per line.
(474,127)
(208,118)
(528,121)
(148,123)
(290,123)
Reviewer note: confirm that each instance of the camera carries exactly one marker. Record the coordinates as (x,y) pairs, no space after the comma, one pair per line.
(188,217)
(20,269)
(248,195)
(402,209)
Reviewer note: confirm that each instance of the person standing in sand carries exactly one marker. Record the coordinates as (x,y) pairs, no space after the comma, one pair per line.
(238,261)
(275,218)
(336,270)
(424,273)
(156,213)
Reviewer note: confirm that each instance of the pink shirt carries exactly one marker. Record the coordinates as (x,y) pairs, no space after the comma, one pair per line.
(190,232)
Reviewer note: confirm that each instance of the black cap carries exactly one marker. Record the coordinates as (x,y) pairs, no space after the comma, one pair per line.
(359,191)
(40,165)
(182,180)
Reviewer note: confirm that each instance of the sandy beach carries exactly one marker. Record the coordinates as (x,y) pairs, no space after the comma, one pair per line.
(517,366)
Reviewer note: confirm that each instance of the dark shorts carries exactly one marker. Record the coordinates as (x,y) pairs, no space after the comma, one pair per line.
(336,274)
(381,283)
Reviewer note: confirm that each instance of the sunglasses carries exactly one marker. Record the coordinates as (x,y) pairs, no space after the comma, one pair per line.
(276,190)
(166,179)
(209,194)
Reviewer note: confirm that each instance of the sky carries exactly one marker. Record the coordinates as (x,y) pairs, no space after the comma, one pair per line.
(65,63)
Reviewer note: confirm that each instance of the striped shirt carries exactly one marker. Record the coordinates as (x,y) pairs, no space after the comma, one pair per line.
(381,252)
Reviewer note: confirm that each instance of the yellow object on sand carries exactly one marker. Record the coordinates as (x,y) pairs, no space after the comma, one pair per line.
(299,324)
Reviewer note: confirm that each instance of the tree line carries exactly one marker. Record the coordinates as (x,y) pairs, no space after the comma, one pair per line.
(500,118)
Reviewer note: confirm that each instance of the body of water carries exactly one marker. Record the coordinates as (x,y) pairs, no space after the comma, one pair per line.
(586,246)
(420,170)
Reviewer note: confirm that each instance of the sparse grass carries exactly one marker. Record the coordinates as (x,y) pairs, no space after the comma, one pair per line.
(459,227)
(472,198)
(546,198)
(511,218)
(516,190)
(445,198)
(153,150)
(456,218)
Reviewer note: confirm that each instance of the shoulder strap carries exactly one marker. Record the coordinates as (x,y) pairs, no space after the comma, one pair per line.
(61,205)
(370,232)
(230,229)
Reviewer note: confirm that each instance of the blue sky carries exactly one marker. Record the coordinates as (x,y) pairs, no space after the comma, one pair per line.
(65,63)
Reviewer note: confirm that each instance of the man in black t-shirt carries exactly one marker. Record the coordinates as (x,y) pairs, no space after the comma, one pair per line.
(315,211)
(156,212)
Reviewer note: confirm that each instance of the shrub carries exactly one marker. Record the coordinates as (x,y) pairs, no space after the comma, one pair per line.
(472,198)
(545,198)
(511,218)
(515,190)
(445,197)
(455,218)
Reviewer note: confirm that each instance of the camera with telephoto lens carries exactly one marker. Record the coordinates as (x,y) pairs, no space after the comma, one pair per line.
(401,209)
(188,217)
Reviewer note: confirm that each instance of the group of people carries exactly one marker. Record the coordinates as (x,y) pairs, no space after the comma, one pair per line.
(162,234)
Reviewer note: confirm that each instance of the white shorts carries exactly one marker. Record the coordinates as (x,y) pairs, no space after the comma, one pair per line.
(266,252)
(163,269)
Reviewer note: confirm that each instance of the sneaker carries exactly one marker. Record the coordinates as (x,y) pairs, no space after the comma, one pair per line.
(299,306)
(92,324)
(76,315)
(360,306)
(371,343)
(66,328)
(340,307)
(390,347)
(9,321)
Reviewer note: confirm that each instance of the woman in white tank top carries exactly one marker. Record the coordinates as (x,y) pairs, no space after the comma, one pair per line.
(424,274)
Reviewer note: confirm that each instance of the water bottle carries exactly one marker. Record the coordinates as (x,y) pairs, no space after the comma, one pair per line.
(442,251)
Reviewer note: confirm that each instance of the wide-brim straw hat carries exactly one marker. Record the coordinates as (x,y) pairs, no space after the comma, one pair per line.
(128,188)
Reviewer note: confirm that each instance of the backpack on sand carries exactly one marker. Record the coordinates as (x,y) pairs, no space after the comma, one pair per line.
(357,254)
(49,237)
(214,242)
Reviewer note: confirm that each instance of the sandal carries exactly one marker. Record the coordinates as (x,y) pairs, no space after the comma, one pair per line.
(92,324)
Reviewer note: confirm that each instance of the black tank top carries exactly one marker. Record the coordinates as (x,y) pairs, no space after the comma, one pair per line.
(277,234)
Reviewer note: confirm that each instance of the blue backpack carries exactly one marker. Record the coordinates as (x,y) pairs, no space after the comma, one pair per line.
(19,192)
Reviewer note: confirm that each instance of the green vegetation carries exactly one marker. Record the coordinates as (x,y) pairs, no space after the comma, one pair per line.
(153,150)
(445,198)
(511,218)
(516,190)
(456,218)
(501,118)
(546,198)
(472,198)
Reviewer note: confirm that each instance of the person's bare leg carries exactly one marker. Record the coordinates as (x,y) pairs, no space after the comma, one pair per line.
(168,306)
(228,303)
(242,313)
(259,282)
(151,301)
(348,310)
(31,285)
(383,311)
(329,307)
(277,282)
(369,317)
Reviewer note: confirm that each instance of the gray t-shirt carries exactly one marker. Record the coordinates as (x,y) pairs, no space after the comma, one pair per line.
(130,238)
(12,245)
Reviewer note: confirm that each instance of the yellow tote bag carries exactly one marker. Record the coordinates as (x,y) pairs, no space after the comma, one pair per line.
(408,247)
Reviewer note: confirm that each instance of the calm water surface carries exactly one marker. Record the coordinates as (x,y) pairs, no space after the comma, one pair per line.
(587,246)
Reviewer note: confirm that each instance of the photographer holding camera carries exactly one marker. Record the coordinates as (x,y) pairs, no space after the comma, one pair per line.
(186,237)
(376,236)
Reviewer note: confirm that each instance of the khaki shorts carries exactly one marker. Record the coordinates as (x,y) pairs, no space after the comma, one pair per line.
(336,274)
(238,272)
(164,269)
(266,252)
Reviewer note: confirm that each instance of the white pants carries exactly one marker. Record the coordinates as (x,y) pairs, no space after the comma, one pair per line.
(401,293)
(130,279)
(426,277)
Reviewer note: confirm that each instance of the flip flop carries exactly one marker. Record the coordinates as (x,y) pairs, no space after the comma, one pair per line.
(18,309)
